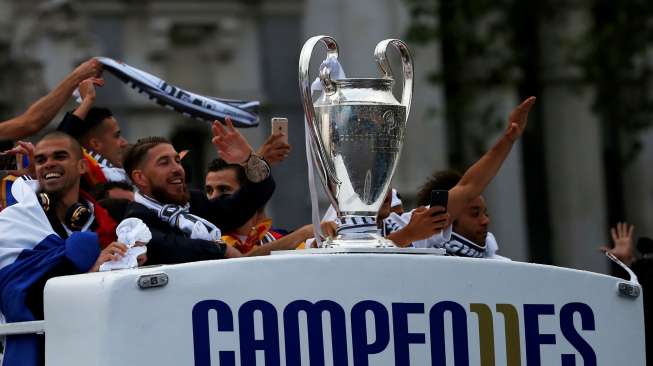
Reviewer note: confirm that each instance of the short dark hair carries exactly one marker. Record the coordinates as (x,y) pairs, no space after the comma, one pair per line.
(136,153)
(91,123)
(96,115)
(101,191)
(444,179)
(218,164)
(94,119)
(74,144)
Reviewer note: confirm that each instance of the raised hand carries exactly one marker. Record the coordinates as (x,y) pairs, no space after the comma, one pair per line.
(87,88)
(622,239)
(231,145)
(87,92)
(518,119)
(89,69)
(22,148)
(275,149)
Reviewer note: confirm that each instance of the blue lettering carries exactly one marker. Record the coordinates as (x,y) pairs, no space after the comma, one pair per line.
(402,337)
(201,343)
(315,333)
(532,332)
(361,348)
(168,89)
(375,316)
(248,342)
(459,326)
(571,334)
(183,95)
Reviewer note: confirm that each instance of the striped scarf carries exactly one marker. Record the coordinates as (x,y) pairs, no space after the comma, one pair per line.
(111,172)
(243,113)
(179,217)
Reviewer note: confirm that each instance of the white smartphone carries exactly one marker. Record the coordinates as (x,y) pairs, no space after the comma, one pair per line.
(280,125)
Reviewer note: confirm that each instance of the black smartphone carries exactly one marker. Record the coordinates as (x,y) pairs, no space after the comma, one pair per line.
(439,197)
(8,162)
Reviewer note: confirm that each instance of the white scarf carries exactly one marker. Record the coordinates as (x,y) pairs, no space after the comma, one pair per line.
(110,171)
(243,113)
(178,216)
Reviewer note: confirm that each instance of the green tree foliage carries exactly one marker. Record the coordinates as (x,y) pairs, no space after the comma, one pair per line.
(616,57)
(483,45)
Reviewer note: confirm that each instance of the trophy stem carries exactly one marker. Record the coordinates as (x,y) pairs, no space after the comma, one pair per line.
(358,231)
(353,224)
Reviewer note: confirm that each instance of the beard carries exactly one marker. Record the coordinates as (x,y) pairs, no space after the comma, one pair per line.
(161,195)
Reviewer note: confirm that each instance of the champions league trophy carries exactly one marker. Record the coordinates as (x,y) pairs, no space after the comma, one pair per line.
(356,130)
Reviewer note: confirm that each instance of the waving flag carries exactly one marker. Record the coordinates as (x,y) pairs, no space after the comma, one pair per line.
(243,113)
(29,250)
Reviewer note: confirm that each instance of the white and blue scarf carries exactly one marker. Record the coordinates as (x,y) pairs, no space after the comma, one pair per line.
(179,217)
(110,171)
(243,113)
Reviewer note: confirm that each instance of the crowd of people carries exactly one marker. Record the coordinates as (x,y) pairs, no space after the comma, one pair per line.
(84,179)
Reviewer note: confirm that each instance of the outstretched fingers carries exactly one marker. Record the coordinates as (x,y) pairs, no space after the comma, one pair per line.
(230,124)
(613,233)
(520,114)
(218,129)
(527,104)
(519,118)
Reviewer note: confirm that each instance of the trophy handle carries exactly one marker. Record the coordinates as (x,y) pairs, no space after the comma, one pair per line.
(406,63)
(324,167)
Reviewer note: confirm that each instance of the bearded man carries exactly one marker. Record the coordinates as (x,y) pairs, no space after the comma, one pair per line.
(185,224)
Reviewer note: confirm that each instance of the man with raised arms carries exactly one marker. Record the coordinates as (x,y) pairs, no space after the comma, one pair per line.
(423,227)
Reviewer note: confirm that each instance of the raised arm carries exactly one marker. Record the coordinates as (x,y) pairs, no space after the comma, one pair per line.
(229,212)
(479,175)
(274,149)
(39,114)
(87,93)
(230,144)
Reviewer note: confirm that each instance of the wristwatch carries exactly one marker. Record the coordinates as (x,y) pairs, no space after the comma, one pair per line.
(256,168)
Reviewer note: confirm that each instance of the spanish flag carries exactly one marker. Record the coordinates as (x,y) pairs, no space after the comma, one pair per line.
(94,176)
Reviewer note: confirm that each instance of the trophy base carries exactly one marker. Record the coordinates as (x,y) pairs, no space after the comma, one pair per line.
(358,240)
(356,231)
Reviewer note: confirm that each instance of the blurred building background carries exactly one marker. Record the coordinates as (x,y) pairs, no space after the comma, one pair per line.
(582,165)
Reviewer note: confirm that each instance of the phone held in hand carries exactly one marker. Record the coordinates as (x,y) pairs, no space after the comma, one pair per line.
(280,125)
(439,197)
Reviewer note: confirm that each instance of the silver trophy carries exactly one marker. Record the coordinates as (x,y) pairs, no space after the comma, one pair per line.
(356,131)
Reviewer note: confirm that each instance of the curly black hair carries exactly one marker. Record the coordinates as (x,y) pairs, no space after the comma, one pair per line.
(444,179)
